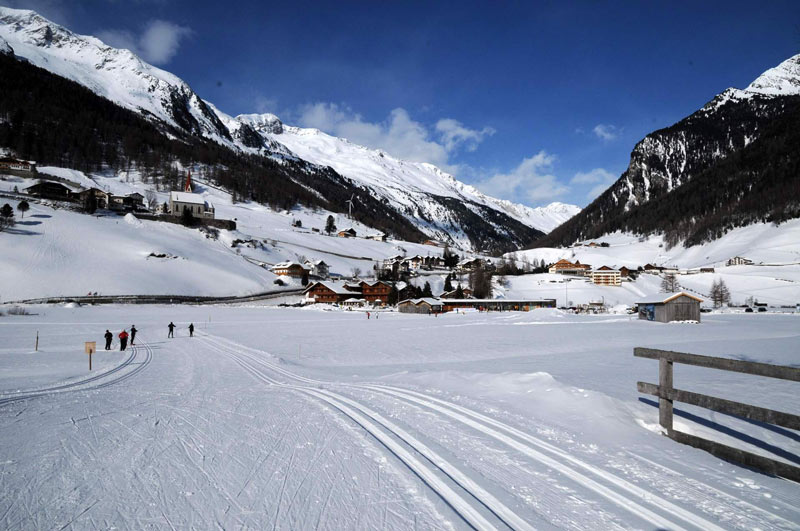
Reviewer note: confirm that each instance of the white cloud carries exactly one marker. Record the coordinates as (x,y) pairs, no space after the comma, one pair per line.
(606,131)
(158,43)
(399,134)
(598,177)
(453,134)
(531,182)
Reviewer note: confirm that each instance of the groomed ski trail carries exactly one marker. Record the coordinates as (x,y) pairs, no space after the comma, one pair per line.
(83,384)
(386,432)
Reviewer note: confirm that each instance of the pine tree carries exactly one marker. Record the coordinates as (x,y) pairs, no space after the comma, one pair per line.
(393,296)
(426,290)
(6,217)
(448,285)
(459,292)
(330,225)
(23,207)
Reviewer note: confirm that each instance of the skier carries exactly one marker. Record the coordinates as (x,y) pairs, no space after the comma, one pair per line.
(171,327)
(191,329)
(109,336)
(123,340)
(133,334)
(367,315)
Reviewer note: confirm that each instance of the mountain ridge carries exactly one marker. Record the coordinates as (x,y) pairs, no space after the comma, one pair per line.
(751,124)
(121,77)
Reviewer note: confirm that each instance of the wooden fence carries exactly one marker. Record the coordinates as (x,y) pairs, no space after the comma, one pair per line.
(667,394)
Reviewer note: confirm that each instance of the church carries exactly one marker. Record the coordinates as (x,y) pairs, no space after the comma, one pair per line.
(186,200)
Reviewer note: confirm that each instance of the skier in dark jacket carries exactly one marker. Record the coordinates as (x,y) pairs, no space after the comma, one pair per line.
(191,329)
(109,336)
(133,335)
(171,327)
(123,340)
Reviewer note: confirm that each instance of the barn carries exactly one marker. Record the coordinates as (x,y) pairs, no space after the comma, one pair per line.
(671,307)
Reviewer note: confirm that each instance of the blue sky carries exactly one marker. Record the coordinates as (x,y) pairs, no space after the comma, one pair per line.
(529,101)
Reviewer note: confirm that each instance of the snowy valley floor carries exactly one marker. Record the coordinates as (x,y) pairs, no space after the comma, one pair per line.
(311,419)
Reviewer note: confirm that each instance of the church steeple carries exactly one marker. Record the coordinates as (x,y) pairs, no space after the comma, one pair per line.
(188,187)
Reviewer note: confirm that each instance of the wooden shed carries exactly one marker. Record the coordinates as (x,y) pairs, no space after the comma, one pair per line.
(671,307)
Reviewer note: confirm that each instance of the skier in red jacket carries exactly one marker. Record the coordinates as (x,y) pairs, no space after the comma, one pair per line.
(123,340)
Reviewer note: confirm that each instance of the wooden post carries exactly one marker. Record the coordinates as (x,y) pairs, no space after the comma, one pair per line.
(37,341)
(90,360)
(665,385)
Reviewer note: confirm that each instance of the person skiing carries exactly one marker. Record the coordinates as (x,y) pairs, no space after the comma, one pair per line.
(171,327)
(123,340)
(109,336)
(191,329)
(133,334)
(367,315)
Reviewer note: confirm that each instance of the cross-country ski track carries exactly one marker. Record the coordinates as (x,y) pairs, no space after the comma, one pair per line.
(647,505)
(107,378)
(234,428)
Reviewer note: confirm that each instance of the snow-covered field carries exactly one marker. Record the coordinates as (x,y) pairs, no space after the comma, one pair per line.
(307,418)
(53,251)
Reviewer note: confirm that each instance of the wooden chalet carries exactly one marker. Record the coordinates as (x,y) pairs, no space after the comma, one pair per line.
(318,268)
(466,292)
(10,163)
(471,264)
(347,233)
(101,197)
(51,190)
(377,291)
(330,292)
(425,305)
(290,269)
(565,267)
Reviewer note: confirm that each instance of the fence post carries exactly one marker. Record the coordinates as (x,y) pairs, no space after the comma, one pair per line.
(665,384)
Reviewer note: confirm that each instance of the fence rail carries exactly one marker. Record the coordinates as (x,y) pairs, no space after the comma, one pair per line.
(667,394)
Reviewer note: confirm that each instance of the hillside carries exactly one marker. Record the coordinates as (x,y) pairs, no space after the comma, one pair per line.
(730,164)
(254,156)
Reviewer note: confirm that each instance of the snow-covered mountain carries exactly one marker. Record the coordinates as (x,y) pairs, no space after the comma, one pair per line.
(727,165)
(435,202)
(409,184)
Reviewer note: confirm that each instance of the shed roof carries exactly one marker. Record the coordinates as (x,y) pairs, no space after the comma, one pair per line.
(666,297)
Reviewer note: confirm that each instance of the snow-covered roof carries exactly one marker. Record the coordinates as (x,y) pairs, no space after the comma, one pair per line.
(186,197)
(335,287)
(429,300)
(286,265)
(666,297)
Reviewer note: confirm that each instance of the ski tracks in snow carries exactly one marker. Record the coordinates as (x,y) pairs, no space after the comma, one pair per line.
(112,376)
(646,505)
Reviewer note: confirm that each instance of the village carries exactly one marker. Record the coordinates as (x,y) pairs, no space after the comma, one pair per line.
(458,282)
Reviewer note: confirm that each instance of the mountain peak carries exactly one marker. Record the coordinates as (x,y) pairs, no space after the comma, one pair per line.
(782,80)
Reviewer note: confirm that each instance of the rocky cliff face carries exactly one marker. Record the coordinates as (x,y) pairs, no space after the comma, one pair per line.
(667,161)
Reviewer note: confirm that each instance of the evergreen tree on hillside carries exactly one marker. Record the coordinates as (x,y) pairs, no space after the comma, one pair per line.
(426,290)
(448,285)
(330,225)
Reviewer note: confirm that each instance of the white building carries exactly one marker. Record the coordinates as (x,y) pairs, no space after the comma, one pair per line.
(739,260)
(605,276)
(194,203)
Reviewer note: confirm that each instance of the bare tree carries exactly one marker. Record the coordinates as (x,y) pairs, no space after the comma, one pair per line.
(152,199)
(719,293)
(669,284)
(356,271)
